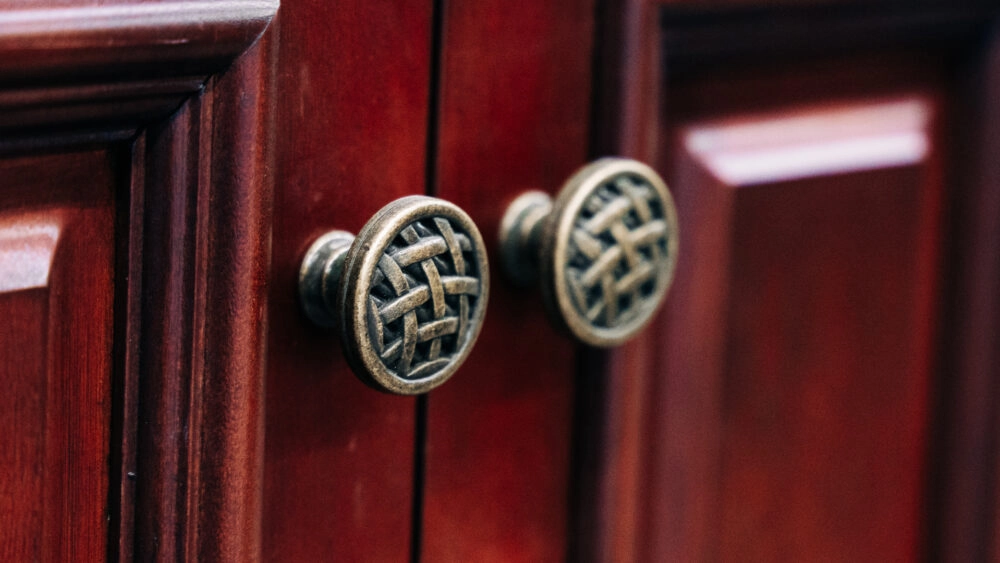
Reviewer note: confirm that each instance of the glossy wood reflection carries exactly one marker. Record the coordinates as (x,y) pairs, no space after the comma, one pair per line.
(799,352)
(56,280)
(499,433)
(351,125)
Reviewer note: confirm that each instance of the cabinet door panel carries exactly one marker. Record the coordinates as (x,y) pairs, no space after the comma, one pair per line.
(514,104)
(798,357)
(56,283)
(351,123)
(813,388)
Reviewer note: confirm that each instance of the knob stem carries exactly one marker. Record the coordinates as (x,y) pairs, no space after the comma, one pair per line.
(520,236)
(320,274)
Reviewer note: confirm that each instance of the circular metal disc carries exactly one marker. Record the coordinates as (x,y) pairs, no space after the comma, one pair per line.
(609,250)
(417,283)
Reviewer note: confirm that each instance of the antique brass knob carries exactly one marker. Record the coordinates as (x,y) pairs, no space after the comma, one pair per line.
(407,295)
(604,250)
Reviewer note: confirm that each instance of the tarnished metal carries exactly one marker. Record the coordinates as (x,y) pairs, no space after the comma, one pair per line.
(407,295)
(323,264)
(604,252)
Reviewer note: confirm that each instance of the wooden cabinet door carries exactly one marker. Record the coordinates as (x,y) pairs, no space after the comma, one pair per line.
(819,386)
(134,236)
(814,387)
(513,107)
(56,273)
(472,102)
(351,120)
(794,401)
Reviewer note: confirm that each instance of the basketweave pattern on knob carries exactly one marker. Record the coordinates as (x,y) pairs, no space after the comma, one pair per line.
(421,298)
(617,251)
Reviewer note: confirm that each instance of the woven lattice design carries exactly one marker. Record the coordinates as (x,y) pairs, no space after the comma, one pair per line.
(422,297)
(617,251)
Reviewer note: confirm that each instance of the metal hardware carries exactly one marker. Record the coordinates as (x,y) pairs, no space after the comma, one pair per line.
(407,295)
(604,251)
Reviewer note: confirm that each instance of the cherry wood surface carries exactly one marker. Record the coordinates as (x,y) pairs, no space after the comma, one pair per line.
(969,516)
(98,71)
(190,203)
(499,433)
(613,388)
(821,383)
(798,354)
(728,486)
(351,125)
(56,282)
(125,39)
(197,246)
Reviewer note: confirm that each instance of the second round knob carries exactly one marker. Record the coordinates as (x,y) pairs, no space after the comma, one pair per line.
(407,295)
(603,251)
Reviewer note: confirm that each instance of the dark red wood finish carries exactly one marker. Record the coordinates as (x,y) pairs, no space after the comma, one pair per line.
(798,354)
(757,417)
(205,230)
(351,124)
(821,384)
(57,274)
(969,517)
(177,429)
(514,108)
(99,71)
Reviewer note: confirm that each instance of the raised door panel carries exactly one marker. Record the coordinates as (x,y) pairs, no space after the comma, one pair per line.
(56,291)
(814,387)
(798,358)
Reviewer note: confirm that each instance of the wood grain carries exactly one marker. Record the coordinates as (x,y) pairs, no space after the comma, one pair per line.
(715,61)
(198,294)
(127,38)
(499,433)
(237,171)
(351,124)
(168,188)
(800,353)
(56,265)
(97,71)
(191,257)
(806,392)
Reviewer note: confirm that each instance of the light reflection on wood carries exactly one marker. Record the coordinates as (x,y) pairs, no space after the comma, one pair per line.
(27,247)
(815,142)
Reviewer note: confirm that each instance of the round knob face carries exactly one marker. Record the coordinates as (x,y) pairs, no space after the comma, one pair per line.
(414,295)
(609,248)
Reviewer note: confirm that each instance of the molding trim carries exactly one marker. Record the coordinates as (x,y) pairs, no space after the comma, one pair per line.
(691,37)
(99,73)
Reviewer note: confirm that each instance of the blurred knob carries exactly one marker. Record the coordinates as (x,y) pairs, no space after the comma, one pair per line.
(603,251)
(407,295)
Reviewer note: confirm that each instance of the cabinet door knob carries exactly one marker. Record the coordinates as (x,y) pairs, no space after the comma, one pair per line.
(407,294)
(604,251)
